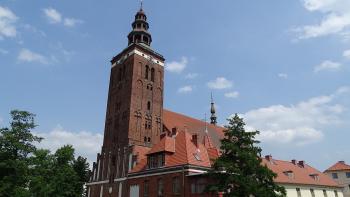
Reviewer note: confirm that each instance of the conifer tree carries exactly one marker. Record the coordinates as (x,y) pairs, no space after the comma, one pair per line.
(239,172)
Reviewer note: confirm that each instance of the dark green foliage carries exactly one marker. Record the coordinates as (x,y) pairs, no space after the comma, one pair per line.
(16,143)
(238,172)
(27,171)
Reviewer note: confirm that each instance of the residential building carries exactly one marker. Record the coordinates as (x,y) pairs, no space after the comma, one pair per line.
(340,172)
(301,180)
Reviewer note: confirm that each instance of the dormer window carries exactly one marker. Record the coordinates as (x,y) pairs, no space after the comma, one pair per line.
(289,173)
(156,160)
(315,177)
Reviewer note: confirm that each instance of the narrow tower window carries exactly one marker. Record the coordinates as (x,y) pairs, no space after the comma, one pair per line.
(152,74)
(148,105)
(147,71)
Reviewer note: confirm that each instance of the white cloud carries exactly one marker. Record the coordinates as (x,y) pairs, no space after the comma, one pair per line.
(298,124)
(220,83)
(177,66)
(56,17)
(191,75)
(33,29)
(53,15)
(86,144)
(3,51)
(185,89)
(327,66)
(335,21)
(71,22)
(25,55)
(346,54)
(233,94)
(7,20)
(282,75)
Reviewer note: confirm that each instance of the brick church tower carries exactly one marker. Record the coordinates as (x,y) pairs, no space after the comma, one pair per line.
(134,110)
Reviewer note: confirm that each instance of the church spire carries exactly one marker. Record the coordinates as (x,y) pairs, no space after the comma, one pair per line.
(139,33)
(212,111)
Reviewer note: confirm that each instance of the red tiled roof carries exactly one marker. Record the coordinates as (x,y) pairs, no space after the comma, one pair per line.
(301,175)
(167,144)
(207,141)
(185,152)
(192,125)
(339,166)
(140,151)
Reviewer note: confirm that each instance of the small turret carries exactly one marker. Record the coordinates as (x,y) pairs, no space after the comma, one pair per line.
(212,111)
(140,26)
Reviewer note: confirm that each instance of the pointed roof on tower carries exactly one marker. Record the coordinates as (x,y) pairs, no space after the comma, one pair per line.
(140,26)
(212,111)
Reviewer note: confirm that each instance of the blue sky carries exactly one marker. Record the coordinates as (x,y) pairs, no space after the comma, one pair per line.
(282,65)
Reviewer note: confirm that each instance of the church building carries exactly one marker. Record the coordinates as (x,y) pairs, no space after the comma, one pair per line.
(147,150)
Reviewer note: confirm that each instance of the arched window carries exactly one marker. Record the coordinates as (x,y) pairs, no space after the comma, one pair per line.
(152,74)
(148,105)
(146,72)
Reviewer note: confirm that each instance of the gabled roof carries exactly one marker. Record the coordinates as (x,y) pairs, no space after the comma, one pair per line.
(181,150)
(192,125)
(303,175)
(339,166)
(167,144)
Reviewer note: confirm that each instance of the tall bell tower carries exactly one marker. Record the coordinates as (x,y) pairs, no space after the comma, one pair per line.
(134,110)
(135,99)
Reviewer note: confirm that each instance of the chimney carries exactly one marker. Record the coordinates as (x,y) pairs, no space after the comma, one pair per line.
(162,135)
(268,157)
(301,163)
(195,139)
(173,131)
(294,161)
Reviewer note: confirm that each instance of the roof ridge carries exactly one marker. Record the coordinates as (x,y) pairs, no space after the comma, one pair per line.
(213,126)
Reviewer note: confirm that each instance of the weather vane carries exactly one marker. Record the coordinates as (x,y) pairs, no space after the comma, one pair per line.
(141,1)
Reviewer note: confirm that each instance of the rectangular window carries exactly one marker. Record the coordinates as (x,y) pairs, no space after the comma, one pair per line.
(325,193)
(176,185)
(160,188)
(193,188)
(348,175)
(146,188)
(198,186)
(161,159)
(335,175)
(298,192)
(312,192)
(336,193)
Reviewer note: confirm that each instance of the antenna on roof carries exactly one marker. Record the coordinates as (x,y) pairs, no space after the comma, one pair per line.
(205,120)
(141,2)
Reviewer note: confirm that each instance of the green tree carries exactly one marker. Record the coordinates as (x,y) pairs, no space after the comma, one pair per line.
(26,171)
(81,167)
(239,172)
(16,146)
(66,180)
(42,165)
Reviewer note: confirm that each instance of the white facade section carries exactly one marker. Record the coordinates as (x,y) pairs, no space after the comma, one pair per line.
(343,180)
(120,189)
(140,53)
(318,191)
(134,191)
(101,191)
